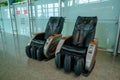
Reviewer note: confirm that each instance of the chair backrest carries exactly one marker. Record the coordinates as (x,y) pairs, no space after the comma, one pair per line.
(84,31)
(54,26)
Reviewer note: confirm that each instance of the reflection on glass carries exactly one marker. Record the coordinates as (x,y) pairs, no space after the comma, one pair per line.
(44,10)
(94,0)
(104,0)
(83,1)
(39,11)
(7,11)
(56,13)
(24,31)
(44,6)
(70,3)
(39,14)
(33,10)
(22,10)
(38,6)
(33,7)
(56,5)
(8,14)
(87,1)
(50,5)
(47,10)
(50,14)
(56,9)
(33,14)
(50,10)
(63,5)
(18,8)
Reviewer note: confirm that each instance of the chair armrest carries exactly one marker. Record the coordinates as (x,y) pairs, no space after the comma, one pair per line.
(66,38)
(91,54)
(94,41)
(51,44)
(55,36)
(61,42)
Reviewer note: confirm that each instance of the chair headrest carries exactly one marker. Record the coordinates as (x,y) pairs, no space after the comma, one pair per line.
(54,26)
(84,30)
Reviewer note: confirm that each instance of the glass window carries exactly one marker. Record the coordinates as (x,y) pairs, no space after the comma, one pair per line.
(83,1)
(56,13)
(8,14)
(70,3)
(22,10)
(39,11)
(39,14)
(63,5)
(18,8)
(104,0)
(6,9)
(44,6)
(44,10)
(94,0)
(33,7)
(56,9)
(56,5)
(50,14)
(33,14)
(38,6)
(50,5)
(50,10)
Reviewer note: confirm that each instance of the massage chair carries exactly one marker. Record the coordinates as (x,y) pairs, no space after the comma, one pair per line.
(78,52)
(43,45)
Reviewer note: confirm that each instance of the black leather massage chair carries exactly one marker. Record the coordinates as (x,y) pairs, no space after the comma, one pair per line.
(78,52)
(43,45)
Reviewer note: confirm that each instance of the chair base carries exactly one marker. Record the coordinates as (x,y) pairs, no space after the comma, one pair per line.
(36,53)
(72,63)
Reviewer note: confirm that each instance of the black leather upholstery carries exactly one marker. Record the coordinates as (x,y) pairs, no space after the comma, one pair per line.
(39,43)
(73,49)
(54,26)
(84,32)
(38,40)
(36,49)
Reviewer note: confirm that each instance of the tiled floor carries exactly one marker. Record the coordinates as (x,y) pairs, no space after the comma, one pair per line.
(14,65)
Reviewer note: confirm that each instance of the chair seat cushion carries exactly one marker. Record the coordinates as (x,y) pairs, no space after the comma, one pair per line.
(74,49)
(38,43)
